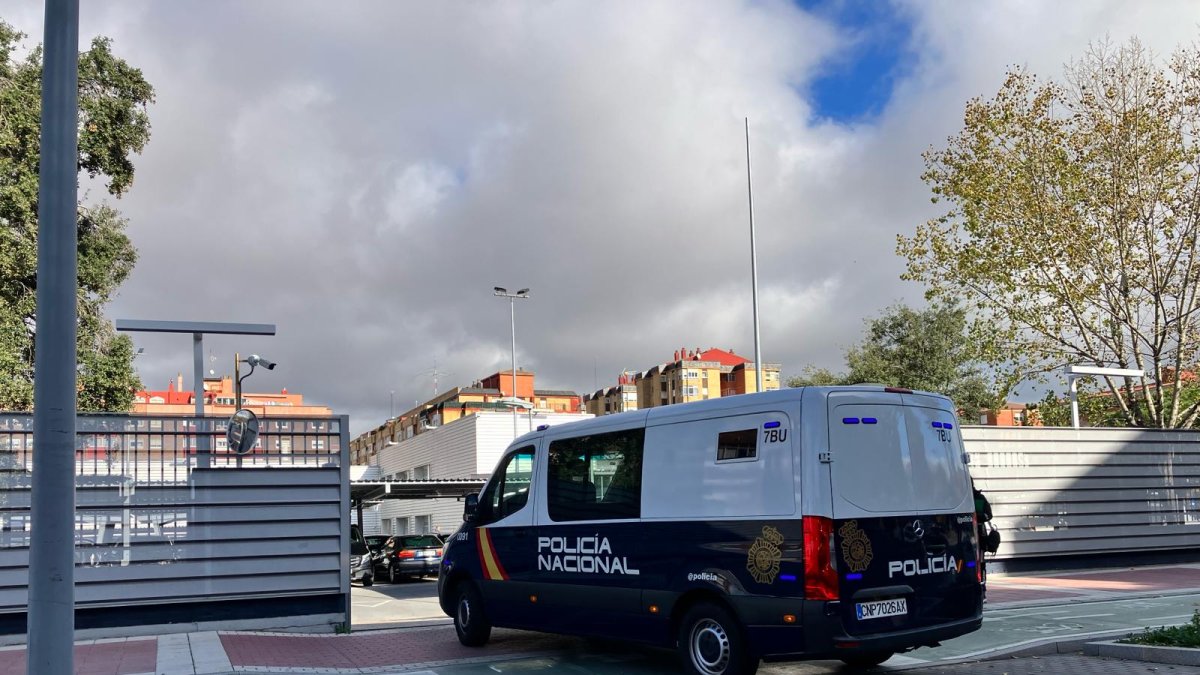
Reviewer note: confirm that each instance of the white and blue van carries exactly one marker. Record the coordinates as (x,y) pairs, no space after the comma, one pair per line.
(809,523)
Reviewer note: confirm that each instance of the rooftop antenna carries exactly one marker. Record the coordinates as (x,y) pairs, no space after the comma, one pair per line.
(212,358)
(436,374)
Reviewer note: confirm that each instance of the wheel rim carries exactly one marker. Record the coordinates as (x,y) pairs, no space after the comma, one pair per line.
(392,577)
(709,647)
(464,612)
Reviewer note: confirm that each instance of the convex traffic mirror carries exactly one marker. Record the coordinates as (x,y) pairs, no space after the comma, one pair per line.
(242,432)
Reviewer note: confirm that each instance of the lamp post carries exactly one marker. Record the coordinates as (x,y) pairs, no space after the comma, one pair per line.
(523,294)
(1073,373)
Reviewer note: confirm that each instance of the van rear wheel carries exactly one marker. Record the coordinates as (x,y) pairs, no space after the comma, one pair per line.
(470,621)
(711,643)
(867,659)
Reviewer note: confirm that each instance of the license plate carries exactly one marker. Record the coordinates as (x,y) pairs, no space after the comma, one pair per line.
(424,554)
(881,608)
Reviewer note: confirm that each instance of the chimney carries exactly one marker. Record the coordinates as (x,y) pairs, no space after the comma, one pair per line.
(179,382)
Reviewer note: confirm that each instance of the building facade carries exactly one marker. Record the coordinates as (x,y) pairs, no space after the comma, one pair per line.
(692,375)
(219,398)
(490,394)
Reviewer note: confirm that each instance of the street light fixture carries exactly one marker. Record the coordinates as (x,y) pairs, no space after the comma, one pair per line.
(1073,373)
(501,292)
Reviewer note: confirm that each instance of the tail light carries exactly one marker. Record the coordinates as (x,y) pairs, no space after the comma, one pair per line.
(406,554)
(439,551)
(820,576)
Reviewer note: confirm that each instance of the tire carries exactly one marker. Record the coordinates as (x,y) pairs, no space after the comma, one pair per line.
(866,660)
(394,577)
(711,643)
(470,620)
(368,581)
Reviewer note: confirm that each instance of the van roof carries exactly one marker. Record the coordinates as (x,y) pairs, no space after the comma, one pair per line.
(729,404)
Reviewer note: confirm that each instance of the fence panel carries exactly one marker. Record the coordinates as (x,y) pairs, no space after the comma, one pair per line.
(160,524)
(1057,491)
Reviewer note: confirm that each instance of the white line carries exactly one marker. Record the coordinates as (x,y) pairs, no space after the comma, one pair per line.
(1164,618)
(1082,616)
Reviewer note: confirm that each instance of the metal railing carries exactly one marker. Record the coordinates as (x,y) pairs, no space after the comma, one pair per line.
(165,513)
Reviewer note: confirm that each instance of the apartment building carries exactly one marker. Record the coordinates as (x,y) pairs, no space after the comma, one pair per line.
(691,375)
(493,393)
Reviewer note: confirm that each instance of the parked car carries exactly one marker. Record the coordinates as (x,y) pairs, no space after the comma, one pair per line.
(362,562)
(410,555)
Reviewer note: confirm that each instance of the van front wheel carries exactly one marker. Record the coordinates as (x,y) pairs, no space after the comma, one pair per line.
(470,622)
(711,643)
(867,659)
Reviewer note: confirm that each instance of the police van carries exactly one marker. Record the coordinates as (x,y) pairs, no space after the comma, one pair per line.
(808,523)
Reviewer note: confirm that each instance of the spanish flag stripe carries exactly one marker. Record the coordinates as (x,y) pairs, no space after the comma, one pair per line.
(487,555)
(496,558)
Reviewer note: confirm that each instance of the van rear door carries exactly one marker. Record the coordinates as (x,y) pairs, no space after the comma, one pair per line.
(902,512)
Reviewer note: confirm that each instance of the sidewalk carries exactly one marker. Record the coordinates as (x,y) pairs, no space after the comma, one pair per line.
(426,647)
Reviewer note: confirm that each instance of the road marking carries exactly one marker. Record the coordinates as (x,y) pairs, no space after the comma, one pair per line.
(372,605)
(1165,618)
(1082,616)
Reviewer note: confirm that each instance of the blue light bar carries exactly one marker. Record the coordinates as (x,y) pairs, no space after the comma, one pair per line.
(787,577)
(543,427)
(970,563)
(771,425)
(857,576)
(849,420)
(869,420)
(937,425)
(947,425)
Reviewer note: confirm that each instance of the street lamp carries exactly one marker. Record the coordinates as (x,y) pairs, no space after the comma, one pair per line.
(523,294)
(1073,373)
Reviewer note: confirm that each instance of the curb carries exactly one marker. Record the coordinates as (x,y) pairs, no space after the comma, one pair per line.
(1177,656)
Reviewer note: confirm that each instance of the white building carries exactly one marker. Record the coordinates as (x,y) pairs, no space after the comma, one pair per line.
(465,448)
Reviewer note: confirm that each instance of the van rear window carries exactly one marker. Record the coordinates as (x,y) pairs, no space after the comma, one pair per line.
(741,444)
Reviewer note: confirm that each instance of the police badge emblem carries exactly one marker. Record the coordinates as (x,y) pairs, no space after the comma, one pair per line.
(856,548)
(763,559)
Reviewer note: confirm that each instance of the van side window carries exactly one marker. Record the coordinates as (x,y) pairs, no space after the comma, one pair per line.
(737,444)
(597,477)
(509,491)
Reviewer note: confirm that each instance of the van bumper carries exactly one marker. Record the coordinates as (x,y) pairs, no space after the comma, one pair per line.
(819,634)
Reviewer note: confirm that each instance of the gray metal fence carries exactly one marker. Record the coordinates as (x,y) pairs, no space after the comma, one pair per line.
(165,534)
(1057,491)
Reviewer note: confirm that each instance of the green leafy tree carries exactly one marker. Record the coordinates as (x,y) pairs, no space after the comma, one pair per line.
(113,125)
(1073,225)
(930,350)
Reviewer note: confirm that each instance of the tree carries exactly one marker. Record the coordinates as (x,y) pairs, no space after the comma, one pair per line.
(113,125)
(929,350)
(1073,223)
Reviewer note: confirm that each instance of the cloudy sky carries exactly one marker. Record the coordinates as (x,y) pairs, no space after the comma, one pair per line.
(362,174)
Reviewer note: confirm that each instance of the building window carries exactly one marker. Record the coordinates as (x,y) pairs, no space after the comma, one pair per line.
(689,391)
(285,445)
(597,477)
(318,444)
(737,445)
(421,526)
(421,472)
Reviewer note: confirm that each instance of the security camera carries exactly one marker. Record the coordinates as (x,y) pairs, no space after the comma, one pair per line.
(256,360)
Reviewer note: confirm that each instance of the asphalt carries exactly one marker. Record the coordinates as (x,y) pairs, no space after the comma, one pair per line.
(1028,622)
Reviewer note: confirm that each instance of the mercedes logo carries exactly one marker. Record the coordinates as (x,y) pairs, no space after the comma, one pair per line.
(913,531)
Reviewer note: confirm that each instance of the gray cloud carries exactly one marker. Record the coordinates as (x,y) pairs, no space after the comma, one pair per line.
(362,174)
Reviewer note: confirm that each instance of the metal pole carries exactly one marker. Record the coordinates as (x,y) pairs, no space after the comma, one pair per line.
(51,619)
(202,455)
(512,318)
(1074,401)
(758,365)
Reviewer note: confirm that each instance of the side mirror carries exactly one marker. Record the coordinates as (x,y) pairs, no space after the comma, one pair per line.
(470,508)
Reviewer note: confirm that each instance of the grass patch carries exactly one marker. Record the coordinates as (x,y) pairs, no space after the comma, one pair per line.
(1187,635)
